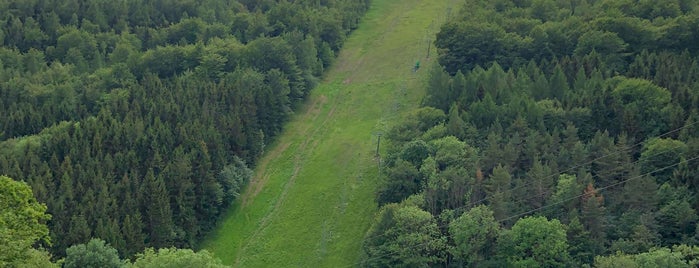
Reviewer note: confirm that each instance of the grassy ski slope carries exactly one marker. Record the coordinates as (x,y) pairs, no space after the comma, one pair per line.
(312,197)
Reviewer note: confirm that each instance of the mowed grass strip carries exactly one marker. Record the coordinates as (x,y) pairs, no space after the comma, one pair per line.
(312,198)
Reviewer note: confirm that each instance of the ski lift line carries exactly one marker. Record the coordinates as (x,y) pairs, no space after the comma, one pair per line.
(537,209)
(443,20)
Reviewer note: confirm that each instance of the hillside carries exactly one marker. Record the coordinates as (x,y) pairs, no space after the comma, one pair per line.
(553,134)
(136,122)
(312,197)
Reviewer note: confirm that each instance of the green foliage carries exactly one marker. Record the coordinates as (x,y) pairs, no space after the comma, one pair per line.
(136,121)
(676,215)
(475,234)
(556,99)
(605,43)
(517,31)
(325,210)
(22,223)
(37,258)
(657,154)
(500,196)
(233,177)
(535,241)
(416,123)
(681,256)
(463,46)
(415,152)
(175,258)
(403,236)
(641,106)
(566,187)
(96,253)
(402,180)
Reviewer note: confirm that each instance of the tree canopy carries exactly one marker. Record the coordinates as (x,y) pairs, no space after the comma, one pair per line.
(22,223)
(137,122)
(556,134)
(94,254)
(175,258)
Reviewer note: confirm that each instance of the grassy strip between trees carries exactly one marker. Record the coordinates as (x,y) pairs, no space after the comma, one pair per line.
(312,197)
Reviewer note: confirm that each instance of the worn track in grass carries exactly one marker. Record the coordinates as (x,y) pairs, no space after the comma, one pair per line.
(312,197)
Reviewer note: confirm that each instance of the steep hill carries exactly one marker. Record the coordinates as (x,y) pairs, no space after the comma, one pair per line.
(312,196)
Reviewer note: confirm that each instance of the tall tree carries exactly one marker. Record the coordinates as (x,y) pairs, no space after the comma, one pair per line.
(661,157)
(641,103)
(94,254)
(539,185)
(22,223)
(159,214)
(403,236)
(593,213)
(499,193)
(535,242)
(475,234)
(176,258)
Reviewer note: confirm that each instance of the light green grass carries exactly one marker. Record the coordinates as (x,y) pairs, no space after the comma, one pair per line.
(312,198)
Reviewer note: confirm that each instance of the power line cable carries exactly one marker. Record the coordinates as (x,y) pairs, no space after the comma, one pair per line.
(618,152)
(469,205)
(545,206)
(520,202)
(599,189)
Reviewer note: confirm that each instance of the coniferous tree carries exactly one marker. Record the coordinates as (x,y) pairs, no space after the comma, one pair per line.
(158,212)
(498,191)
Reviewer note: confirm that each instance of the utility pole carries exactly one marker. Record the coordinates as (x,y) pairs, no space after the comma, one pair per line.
(378,143)
(429,38)
(377,156)
(429,44)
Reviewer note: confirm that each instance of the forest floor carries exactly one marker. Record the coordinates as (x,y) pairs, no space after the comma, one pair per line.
(312,197)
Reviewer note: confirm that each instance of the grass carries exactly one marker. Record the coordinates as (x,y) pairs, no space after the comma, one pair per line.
(312,198)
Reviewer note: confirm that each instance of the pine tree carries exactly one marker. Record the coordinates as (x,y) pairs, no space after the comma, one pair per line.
(78,231)
(593,213)
(132,230)
(456,126)
(439,89)
(158,213)
(640,194)
(498,192)
(540,185)
(558,84)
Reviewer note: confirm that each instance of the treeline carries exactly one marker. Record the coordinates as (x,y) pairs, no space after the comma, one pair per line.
(515,32)
(137,121)
(23,227)
(575,158)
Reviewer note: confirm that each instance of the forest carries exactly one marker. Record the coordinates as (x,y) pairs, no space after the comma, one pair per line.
(137,122)
(553,134)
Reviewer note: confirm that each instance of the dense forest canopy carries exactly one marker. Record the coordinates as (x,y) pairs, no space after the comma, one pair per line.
(137,121)
(554,134)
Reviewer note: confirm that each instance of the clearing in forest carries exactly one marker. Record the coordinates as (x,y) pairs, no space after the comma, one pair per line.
(312,197)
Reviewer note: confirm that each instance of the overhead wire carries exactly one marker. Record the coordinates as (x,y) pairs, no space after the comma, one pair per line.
(463,208)
(599,189)
(543,207)
(573,168)
(589,162)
